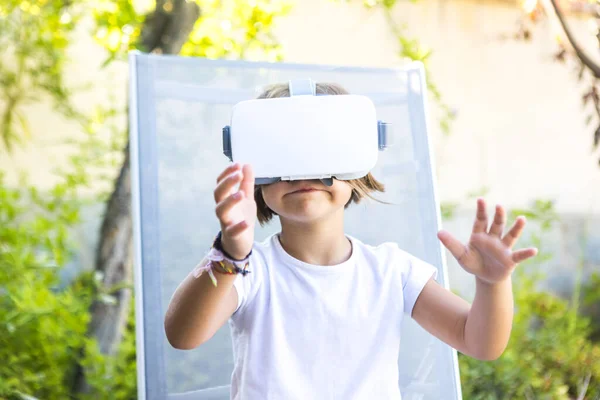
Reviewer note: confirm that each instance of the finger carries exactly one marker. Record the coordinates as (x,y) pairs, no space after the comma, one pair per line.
(522,255)
(481,219)
(499,221)
(456,248)
(514,233)
(237,229)
(228,171)
(247,185)
(223,208)
(225,187)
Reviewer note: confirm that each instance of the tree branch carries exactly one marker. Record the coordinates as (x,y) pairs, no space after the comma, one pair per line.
(585,59)
(168,27)
(164,31)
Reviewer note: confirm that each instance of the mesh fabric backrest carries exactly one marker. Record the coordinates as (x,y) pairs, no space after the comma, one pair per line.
(178,107)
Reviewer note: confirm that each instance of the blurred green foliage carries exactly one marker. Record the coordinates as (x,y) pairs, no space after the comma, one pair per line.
(42,325)
(112,377)
(34,36)
(43,320)
(551,354)
(231,29)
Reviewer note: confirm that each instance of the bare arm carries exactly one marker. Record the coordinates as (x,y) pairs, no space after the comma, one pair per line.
(198,308)
(481,330)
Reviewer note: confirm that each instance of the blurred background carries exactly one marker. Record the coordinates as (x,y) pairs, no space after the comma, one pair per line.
(514,117)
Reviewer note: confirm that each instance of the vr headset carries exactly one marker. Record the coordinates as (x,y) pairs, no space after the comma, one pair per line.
(306,136)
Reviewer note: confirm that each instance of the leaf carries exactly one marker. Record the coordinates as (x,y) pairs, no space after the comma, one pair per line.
(26,396)
(107,299)
(448,210)
(24,124)
(588,119)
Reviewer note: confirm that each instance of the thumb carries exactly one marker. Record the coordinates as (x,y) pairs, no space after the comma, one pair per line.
(452,244)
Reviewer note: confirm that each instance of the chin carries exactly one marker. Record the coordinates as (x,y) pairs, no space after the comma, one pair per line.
(302,219)
(308,214)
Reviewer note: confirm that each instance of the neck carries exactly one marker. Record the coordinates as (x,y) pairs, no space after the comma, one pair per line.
(320,242)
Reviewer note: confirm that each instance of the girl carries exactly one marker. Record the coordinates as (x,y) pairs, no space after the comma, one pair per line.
(318,315)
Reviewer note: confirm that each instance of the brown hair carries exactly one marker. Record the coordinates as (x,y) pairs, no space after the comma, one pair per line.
(361,188)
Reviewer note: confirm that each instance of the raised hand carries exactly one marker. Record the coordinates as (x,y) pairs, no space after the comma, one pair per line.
(489,255)
(236,210)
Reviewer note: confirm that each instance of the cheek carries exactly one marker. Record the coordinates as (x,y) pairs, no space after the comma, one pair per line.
(343,192)
(266,195)
(272,195)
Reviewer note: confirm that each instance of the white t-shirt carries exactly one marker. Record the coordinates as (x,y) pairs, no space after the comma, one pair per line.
(304,331)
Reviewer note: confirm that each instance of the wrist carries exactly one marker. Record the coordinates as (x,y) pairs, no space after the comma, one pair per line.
(220,243)
(217,261)
(489,285)
(226,250)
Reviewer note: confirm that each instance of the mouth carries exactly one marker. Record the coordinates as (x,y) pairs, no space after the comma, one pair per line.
(305,190)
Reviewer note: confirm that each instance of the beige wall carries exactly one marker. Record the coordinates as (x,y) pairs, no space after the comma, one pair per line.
(519,131)
(48,150)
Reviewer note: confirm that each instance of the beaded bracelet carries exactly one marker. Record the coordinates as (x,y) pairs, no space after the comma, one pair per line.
(217,261)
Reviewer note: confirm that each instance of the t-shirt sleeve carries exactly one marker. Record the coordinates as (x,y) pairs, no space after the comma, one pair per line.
(414,277)
(246,286)
(240,284)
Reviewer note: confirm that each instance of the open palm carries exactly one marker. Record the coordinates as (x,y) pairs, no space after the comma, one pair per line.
(489,255)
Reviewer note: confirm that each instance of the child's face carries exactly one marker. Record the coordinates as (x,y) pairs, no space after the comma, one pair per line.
(306,201)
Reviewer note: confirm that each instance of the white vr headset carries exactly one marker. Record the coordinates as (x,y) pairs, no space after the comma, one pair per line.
(306,136)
